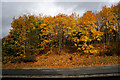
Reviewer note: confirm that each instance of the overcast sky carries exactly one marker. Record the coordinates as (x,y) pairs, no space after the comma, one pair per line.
(14,8)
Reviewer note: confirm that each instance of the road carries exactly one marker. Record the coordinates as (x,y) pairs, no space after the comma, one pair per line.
(95,71)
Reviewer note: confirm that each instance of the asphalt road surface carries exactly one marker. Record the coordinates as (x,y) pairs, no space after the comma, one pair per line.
(76,72)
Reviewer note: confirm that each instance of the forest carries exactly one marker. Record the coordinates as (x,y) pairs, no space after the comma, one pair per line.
(64,39)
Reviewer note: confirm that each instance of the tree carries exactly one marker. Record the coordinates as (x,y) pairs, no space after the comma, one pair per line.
(20,41)
(87,32)
(56,29)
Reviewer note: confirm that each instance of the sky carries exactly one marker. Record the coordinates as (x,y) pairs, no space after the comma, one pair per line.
(16,8)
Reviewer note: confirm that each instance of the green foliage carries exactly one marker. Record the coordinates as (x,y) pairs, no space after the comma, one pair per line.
(28,59)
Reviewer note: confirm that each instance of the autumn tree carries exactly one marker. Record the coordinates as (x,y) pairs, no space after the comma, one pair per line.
(57,28)
(86,29)
(109,22)
(24,39)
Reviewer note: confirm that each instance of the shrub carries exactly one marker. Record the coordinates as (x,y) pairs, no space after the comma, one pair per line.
(28,59)
(112,49)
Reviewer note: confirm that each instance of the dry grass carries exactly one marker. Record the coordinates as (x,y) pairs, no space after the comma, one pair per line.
(64,60)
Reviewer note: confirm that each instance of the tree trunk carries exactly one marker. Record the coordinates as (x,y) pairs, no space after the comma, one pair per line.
(59,46)
(24,40)
(60,41)
(51,45)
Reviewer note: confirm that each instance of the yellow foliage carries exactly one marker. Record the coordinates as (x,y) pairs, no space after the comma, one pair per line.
(77,40)
(98,39)
(33,27)
(69,33)
(83,48)
(91,46)
(79,48)
(79,45)
(75,44)
(21,54)
(22,46)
